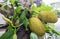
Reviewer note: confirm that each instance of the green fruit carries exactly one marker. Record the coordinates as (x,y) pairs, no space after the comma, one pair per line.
(48,16)
(36,26)
(33,35)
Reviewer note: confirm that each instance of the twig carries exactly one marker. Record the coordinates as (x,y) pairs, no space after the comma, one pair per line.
(19,26)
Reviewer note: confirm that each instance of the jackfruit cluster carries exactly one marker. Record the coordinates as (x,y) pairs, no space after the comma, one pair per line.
(36,23)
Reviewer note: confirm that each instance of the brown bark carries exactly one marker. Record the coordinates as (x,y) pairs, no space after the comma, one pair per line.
(23,34)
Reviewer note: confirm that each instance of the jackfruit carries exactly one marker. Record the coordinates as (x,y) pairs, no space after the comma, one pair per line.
(48,16)
(36,26)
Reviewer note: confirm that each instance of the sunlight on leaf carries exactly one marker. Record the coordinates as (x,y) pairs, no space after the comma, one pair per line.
(45,7)
(12,1)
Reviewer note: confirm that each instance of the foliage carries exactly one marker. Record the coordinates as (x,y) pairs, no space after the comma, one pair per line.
(43,7)
(19,18)
(7,35)
(50,29)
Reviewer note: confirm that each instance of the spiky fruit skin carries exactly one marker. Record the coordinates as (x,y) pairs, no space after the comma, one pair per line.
(36,26)
(48,16)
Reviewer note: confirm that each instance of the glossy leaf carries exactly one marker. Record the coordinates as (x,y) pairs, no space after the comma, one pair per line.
(26,23)
(45,7)
(12,1)
(34,8)
(50,29)
(7,35)
(47,28)
(56,32)
(17,10)
(23,15)
(24,19)
(5,7)
(9,28)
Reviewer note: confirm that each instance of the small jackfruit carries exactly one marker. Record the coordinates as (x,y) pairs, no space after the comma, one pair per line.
(36,26)
(48,16)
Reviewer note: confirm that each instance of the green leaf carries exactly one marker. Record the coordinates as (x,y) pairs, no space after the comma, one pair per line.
(24,19)
(33,36)
(45,7)
(56,32)
(33,14)
(17,10)
(9,28)
(11,37)
(51,25)
(23,15)
(26,23)
(6,7)
(34,8)
(47,28)
(7,35)
(17,22)
(12,1)
(50,29)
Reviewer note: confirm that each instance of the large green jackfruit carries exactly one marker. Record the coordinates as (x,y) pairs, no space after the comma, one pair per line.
(48,16)
(36,26)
